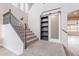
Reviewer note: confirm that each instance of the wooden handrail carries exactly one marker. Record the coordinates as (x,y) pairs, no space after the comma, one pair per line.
(64,30)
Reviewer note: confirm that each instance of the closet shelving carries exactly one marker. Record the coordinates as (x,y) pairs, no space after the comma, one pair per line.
(44,28)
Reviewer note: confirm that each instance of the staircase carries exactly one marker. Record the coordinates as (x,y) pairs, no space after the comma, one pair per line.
(30,36)
(25,34)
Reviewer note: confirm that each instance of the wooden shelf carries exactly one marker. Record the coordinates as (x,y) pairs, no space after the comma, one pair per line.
(44,17)
(44,26)
(44,31)
(44,21)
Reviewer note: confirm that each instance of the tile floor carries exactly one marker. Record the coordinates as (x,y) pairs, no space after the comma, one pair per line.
(73,42)
(5,52)
(39,48)
(45,48)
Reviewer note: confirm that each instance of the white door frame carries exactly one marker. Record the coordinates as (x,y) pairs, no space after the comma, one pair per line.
(49,25)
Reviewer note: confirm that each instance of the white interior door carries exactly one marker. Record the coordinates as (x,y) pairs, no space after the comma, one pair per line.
(54,27)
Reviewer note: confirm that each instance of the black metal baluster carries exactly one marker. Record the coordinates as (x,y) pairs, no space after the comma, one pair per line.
(10,15)
(25,36)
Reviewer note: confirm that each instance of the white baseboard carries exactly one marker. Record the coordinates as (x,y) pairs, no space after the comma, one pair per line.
(55,40)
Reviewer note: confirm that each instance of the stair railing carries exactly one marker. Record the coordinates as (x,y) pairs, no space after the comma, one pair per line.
(17,25)
(64,31)
(25,36)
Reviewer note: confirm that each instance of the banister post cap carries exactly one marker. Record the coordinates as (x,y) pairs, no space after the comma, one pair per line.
(9,10)
(22,18)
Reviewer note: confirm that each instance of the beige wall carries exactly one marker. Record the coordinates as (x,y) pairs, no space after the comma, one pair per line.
(4,7)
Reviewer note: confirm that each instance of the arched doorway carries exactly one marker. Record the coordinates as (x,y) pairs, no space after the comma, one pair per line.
(73,32)
(73,23)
